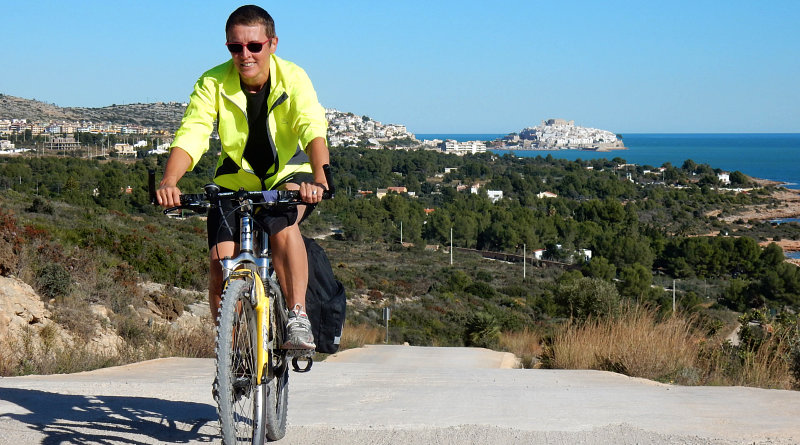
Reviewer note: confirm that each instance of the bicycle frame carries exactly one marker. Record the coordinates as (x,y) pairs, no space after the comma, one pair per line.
(231,268)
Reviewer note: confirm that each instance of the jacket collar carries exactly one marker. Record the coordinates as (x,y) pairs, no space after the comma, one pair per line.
(232,89)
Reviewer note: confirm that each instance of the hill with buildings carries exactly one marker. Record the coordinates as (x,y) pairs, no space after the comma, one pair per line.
(344,128)
(159,115)
(555,134)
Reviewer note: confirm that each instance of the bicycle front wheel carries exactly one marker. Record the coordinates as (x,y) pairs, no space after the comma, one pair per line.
(240,400)
(277,386)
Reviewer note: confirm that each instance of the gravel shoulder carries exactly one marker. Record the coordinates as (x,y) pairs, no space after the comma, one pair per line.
(398,394)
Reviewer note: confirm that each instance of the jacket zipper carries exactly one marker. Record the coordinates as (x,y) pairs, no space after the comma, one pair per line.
(281,99)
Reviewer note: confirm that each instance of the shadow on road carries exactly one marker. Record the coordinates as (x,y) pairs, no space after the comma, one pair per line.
(105,419)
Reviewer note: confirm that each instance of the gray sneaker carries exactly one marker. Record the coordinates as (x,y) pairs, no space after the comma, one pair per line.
(299,331)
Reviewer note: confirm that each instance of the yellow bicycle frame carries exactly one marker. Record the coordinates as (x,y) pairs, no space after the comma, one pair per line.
(262,318)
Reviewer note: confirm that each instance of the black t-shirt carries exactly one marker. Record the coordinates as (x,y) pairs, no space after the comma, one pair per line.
(257,151)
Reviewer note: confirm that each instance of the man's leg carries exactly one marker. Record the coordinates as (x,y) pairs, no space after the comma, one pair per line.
(291,265)
(290,259)
(221,250)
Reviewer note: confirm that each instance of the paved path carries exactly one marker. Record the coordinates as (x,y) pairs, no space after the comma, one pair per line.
(398,394)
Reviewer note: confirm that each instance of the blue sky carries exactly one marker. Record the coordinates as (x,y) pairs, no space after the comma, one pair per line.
(439,66)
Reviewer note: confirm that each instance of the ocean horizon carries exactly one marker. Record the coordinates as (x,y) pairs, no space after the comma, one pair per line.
(771,156)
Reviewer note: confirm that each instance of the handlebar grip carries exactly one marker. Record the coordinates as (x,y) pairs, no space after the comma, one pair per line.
(329,194)
(151,186)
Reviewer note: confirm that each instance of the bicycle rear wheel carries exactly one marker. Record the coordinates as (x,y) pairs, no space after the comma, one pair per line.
(277,386)
(240,401)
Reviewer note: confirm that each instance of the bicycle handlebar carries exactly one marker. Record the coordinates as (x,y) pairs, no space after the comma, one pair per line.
(201,202)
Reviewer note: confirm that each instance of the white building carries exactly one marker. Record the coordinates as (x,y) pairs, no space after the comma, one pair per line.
(451,146)
(495,195)
(125,149)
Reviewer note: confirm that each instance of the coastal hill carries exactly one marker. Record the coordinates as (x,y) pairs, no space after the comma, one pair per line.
(159,115)
(554,134)
(343,127)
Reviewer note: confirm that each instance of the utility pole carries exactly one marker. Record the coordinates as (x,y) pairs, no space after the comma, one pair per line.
(401,233)
(524,262)
(387,314)
(673,297)
(451,246)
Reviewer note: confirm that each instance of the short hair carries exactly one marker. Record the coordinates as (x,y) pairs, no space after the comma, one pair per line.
(249,15)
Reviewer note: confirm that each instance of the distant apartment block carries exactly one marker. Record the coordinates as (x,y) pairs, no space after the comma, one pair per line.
(67,143)
(451,146)
(125,149)
(20,126)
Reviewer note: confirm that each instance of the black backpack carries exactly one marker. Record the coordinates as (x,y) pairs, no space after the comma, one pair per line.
(326,300)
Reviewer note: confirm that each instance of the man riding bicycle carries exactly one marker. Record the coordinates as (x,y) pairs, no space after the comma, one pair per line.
(272,130)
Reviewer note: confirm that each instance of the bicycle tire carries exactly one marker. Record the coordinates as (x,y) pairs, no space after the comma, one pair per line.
(240,401)
(277,386)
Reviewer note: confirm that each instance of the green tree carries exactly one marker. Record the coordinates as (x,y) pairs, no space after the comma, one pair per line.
(587,297)
(635,281)
(600,267)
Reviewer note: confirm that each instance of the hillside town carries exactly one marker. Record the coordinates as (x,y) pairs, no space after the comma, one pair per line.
(124,131)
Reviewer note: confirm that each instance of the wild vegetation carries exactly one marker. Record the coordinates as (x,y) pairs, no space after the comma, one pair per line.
(69,228)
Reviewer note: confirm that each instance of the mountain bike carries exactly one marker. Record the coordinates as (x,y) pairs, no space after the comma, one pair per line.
(251,384)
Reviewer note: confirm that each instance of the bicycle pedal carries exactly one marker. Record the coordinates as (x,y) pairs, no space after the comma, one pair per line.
(300,353)
(296,363)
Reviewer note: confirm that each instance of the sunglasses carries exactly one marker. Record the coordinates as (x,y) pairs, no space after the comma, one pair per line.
(253,47)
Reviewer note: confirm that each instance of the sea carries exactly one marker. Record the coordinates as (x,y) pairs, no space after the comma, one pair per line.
(772,156)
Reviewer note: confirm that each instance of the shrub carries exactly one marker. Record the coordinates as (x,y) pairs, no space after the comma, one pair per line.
(53,280)
(480,289)
(587,297)
(482,331)
(485,276)
(9,242)
(41,206)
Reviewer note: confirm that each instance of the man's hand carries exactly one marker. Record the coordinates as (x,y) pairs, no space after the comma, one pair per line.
(311,192)
(168,195)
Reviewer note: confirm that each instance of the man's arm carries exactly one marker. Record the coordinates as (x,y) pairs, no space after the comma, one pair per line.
(319,155)
(168,193)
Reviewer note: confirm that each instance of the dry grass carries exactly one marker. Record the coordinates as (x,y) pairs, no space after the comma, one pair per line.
(766,366)
(639,343)
(635,343)
(525,344)
(39,352)
(196,343)
(356,336)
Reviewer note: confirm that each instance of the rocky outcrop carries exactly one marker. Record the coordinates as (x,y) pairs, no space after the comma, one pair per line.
(26,319)
(23,313)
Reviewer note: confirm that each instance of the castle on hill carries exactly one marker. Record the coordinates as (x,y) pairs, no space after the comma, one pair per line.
(555,134)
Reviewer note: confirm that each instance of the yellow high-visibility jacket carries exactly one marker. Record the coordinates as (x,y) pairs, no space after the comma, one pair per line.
(295,119)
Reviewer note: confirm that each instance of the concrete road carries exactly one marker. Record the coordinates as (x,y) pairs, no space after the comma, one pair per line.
(398,394)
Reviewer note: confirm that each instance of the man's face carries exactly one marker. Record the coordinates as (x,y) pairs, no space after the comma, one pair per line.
(253,67)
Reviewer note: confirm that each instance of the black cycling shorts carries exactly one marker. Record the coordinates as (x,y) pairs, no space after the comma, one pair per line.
(272,220)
